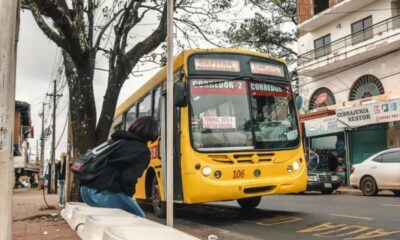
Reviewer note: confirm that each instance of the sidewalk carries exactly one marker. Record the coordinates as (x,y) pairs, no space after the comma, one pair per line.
(29,223)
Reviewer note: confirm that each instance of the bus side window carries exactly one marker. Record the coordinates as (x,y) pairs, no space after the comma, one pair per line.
(144,106)
(130,116)
(156,103)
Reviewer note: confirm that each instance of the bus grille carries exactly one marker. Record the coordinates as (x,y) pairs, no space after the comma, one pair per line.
(258,189)
(242,158)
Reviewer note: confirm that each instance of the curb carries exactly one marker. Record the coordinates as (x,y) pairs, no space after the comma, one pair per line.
(349,191)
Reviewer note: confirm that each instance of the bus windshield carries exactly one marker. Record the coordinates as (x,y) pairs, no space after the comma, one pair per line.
(241,115)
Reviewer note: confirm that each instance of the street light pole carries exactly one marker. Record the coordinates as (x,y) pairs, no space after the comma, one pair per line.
(9,18)
(170,115)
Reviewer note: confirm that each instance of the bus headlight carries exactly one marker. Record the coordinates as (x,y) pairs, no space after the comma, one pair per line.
(296,165)
(206,171)
(289,169)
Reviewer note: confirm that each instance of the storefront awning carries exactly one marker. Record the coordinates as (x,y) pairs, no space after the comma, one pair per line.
(322,126)
(367,114)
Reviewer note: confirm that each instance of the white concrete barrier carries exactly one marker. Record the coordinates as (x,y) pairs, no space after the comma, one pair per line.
(95,225)
(115,224)
(79,214)
(66,213)
(137,232)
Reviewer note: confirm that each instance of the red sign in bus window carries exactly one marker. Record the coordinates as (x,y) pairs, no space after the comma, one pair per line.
(269,90)
(218,87)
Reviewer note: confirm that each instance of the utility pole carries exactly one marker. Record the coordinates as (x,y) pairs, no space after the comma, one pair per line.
(170,114)
(37,151)
(68,174)
(9,18)
(42,145)
(52,177)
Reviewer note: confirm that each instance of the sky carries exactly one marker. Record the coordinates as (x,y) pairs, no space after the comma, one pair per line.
(39,59)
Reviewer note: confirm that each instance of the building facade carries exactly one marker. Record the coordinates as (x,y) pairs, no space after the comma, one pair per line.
(349,54)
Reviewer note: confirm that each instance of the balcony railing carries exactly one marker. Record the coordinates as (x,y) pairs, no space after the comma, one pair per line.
(351,40)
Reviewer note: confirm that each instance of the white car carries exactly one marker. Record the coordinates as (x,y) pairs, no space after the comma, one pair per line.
(379,172)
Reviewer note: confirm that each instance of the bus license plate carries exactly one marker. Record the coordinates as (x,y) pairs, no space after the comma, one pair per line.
(328,185)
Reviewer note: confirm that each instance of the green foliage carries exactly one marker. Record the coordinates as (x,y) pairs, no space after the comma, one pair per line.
(272,30)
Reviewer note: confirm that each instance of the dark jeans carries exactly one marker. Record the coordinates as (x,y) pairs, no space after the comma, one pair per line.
(107,199)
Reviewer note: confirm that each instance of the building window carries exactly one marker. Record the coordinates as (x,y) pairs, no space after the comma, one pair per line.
(322,46)
(366,86)
(322,97)
(320,5)
(361,30)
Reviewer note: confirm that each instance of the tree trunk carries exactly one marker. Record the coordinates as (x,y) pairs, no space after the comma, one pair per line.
(115,82)
(82,110)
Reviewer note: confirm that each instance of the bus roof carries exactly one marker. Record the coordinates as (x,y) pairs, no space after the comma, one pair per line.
(179,61)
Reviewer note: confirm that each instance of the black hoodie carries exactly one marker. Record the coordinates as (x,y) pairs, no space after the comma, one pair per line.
(125,165)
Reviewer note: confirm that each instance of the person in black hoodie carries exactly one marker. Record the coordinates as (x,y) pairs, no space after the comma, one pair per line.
(60,172)
(116,186)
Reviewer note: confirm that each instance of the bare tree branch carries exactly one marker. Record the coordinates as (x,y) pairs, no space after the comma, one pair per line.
(103,30)
(50,33)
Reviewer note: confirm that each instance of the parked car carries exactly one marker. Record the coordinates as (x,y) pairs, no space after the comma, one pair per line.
(378,172)
(22,184)
(323,181)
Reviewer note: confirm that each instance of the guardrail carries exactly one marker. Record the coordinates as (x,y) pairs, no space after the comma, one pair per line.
(351,40)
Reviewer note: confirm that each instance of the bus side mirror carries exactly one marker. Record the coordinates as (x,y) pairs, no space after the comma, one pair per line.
(299,102)
(180,94)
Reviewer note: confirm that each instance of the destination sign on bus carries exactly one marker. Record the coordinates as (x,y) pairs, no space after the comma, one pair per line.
(217,87)
(267,69)
(265,89)
(212,64)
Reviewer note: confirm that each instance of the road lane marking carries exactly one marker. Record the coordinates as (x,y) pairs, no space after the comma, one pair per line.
(347,232)
(390,205)
(322,227)
(278,220)
(373,234)
(354,217)
(344,231)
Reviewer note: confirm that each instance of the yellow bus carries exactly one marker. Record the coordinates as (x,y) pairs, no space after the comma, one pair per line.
(236,129)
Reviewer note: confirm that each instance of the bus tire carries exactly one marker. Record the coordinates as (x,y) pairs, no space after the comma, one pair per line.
(249,203)
(159,207)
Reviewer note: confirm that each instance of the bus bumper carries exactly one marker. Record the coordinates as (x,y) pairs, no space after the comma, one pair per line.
(206,189)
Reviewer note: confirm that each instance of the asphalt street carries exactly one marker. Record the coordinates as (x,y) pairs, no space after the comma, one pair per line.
(309,216)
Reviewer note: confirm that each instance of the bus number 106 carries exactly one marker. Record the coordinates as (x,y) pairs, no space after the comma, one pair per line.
(238,173)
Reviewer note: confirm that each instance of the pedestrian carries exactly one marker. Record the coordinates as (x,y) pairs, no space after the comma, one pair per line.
(313,162)
(115,187)
(332,162)
(61,170)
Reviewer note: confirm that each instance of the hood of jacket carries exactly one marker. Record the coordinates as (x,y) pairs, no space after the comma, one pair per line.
(121,134)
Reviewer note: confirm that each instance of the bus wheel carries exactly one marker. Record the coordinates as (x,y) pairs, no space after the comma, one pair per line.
(159,206)
(249,203)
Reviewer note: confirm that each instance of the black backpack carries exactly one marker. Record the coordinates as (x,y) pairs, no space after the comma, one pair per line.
(92,164)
